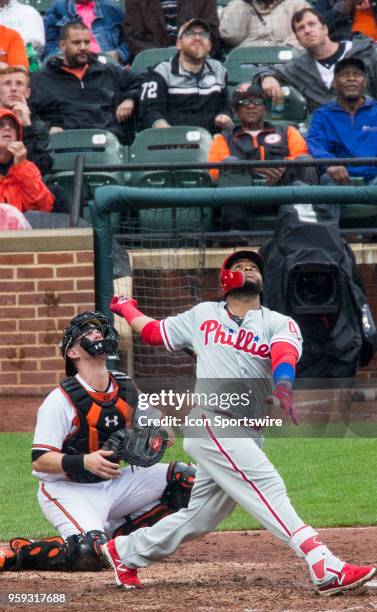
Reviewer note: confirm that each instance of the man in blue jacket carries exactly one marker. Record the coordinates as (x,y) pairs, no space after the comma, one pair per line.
(346,127)
(103,18)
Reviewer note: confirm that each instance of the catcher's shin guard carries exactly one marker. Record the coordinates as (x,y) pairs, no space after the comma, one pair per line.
(8,559)
(180,480)
(45,554)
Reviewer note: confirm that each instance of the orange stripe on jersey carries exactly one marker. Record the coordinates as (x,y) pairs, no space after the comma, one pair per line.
(50,448)
(126,411)
(55,501)
(92,419)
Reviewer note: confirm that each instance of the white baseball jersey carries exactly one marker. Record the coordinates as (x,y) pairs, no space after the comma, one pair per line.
(57,418)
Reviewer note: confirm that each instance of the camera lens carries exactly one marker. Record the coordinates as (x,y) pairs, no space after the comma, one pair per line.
(314,288)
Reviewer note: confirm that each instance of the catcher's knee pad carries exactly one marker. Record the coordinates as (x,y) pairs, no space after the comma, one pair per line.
(181,478)
(83,551)
(46,554)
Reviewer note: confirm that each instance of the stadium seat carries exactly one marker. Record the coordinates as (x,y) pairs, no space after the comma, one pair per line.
(175,144)
(151,57)
(241,63)
(98,147)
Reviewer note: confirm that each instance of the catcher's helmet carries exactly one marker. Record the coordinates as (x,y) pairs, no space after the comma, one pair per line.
(82,323)
(235,280)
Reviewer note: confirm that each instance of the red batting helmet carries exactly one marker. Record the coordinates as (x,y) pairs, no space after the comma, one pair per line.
(235,280)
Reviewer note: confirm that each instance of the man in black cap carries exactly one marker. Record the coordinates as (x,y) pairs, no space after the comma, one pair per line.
(258,139)
(346,127)
(190,88)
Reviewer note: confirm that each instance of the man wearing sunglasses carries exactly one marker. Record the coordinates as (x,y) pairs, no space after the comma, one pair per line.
(190,88)
(257,139)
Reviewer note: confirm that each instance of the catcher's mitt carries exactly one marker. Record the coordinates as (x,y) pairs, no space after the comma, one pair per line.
(142,446)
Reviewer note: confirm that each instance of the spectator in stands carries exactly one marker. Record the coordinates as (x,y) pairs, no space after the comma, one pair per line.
(25,20)
(21,183)
(346,127)
(312,73)
(155,23)
(188,89)
(249,23)
(12,49)
(103,18)
(257,139)
(344,17)
(77,91)
(12,219)
(14,94)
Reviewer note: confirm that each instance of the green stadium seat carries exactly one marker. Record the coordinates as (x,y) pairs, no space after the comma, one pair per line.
(241,63)
(98,147)
(175,144)
(151,57)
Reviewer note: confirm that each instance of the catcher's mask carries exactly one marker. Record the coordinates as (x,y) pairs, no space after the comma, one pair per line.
(236,279)
(76,331)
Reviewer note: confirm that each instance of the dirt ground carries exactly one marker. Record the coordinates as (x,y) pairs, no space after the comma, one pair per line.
(242,571)
(239,571)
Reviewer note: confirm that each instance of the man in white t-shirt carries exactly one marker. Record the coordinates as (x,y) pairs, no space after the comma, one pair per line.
(83,493)
(312,73)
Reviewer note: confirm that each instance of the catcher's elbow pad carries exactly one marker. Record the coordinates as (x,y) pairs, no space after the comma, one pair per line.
(181,478)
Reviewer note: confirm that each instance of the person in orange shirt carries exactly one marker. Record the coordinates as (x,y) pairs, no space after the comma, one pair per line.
(257,139)
(12,49)
(21,182)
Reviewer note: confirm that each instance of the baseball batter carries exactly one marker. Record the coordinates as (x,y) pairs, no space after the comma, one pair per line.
(236,338)
(83,493)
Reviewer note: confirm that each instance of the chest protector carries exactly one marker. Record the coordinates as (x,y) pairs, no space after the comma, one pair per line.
(98,415)
(271,143)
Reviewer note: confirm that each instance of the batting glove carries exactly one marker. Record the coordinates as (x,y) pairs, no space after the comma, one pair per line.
(125,307)
(282,396)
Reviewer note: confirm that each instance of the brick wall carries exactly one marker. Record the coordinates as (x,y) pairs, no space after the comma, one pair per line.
(46,278)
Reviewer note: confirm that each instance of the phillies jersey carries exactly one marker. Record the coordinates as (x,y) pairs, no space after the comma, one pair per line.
(224,349)
(231,352)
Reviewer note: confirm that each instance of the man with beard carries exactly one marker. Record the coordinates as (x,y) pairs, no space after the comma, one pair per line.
(346,127)
(251,346)
(190,88)
(77,91)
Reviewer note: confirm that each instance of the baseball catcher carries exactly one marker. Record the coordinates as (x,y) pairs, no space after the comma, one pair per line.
(85,429)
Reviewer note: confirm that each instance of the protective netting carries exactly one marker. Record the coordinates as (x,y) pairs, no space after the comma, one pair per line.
(168,274)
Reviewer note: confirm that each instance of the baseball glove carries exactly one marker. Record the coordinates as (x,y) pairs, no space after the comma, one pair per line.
(142,446)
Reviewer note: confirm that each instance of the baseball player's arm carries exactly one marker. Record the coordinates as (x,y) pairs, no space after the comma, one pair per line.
(148,328)
(284,357)
(53,462)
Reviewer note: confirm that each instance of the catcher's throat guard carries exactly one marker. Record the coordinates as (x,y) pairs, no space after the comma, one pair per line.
(79,327)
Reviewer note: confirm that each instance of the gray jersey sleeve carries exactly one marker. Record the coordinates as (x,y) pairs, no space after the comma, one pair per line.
(286,329)
(177,332)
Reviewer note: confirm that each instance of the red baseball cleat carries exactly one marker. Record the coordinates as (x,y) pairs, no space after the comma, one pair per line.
(124,576)
(351,577)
